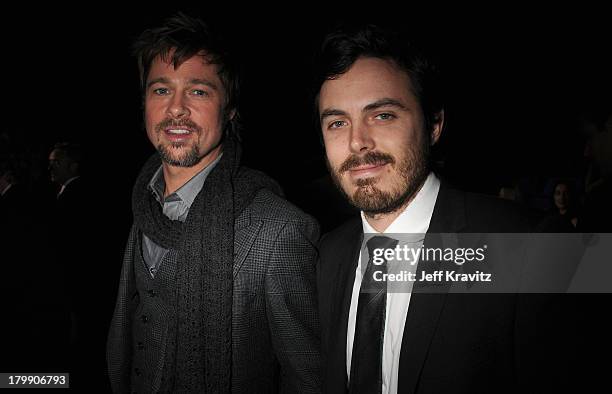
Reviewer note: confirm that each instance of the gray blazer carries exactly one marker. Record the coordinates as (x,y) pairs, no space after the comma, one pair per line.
(275,327)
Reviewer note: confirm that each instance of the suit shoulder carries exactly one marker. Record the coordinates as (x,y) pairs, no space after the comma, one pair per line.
(341,234)
(270,207)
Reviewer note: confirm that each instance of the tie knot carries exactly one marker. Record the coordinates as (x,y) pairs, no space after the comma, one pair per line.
(380,242)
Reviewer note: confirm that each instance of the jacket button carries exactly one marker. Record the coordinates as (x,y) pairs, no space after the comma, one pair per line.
(144,318)
(151,293)
(137,371)
(140,346)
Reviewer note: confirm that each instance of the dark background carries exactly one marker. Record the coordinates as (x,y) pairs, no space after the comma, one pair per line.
(521,86)
(519,83)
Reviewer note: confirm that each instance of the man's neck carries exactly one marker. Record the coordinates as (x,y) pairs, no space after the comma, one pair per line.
(380,222)
(175,177)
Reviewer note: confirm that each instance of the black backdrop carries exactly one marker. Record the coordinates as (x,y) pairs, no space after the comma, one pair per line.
(520,83)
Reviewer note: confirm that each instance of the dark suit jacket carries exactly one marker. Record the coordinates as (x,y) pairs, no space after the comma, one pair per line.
(275,328)
(73,239)
(459,343)
(30,281)
(13,205)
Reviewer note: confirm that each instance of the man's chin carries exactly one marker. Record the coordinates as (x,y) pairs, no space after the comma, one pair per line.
(373,200)
(367,195)
(180,157)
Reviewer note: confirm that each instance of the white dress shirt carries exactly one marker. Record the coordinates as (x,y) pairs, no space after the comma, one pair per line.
(413,220)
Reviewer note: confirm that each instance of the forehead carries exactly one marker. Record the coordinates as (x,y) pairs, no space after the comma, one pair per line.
(195,67)
(368,80)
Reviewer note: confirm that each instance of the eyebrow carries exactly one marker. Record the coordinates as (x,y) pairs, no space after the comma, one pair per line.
(331,112)
(194,81)
(157,80)
(206,82)
(384,102)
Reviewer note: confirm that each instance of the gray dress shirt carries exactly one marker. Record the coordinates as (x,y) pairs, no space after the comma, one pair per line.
(175,206)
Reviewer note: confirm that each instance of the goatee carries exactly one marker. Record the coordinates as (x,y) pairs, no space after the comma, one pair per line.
(186,159)
(174,153)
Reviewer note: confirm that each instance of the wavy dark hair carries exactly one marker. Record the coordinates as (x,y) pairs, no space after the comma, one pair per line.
(184,36)
(345,45)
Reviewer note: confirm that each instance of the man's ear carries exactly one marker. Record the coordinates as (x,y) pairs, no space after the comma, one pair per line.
(437,126)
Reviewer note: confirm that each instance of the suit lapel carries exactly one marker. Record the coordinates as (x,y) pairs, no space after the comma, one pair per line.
(449,211)
(347,254)
(245,233)
(425,309)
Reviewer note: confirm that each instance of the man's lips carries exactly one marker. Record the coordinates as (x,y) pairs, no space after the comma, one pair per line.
(177,133)
(366,170)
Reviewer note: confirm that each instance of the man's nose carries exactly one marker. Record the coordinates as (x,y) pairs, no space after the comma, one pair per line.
(360,139)
(177,108)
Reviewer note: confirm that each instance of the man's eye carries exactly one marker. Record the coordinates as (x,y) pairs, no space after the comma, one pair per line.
(336,124)
(160,91)
(385,116)
(200,92)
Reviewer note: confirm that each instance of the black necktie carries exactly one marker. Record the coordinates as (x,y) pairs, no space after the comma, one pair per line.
(366,361)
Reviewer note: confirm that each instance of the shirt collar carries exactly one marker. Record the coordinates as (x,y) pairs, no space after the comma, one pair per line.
(416,216)
(65,184)
(70,180)
(186,193)
(6,189)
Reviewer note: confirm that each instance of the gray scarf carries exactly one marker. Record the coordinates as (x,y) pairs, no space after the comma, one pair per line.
(200,359)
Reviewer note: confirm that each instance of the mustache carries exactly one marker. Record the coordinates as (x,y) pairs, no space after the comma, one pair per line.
(172,123)
(370,158)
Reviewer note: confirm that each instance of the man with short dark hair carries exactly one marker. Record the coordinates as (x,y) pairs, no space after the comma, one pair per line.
(217,291)
(65,162)
(380,111)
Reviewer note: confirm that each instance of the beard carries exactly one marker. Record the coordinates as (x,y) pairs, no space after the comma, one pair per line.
(174,155)
(411,171)
(179,154)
